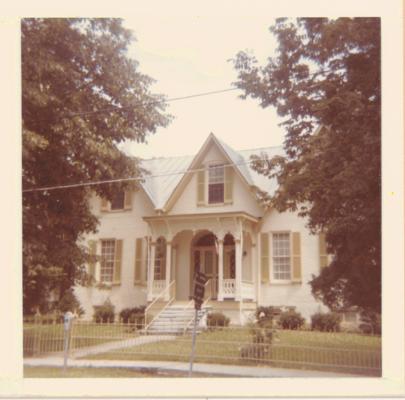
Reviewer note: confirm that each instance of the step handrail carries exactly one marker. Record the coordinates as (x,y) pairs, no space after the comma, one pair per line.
(162,294)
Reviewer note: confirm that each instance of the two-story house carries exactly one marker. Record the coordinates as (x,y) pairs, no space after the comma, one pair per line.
(202,212)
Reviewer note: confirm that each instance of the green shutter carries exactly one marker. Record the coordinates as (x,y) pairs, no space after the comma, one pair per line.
(138,261)
(128,200)
(92,263)
(201,187)
(228,189)
(323,255)
(296,257)
(265,254)
(118,262)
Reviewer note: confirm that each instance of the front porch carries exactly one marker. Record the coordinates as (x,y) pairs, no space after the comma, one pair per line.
(223,246)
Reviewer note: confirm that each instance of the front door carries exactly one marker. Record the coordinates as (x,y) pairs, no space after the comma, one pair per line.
(205,258)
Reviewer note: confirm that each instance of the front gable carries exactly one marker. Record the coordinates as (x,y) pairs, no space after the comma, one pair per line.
(195,193)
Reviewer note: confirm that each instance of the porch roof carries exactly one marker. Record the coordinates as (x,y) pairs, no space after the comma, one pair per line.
(228,214)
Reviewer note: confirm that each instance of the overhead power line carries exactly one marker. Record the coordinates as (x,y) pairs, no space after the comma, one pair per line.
(134,179)
(147,103)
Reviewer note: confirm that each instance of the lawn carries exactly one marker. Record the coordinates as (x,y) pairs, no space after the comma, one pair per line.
(50,338)
(78,372)
(340,352)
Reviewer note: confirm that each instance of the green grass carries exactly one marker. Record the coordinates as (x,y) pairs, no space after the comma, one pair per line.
(50,338)
(340,352)
(78,372)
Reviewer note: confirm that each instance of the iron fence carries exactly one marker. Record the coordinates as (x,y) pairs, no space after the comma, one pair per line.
(237,345)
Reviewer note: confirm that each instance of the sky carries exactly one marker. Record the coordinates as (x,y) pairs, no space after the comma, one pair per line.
(190,55)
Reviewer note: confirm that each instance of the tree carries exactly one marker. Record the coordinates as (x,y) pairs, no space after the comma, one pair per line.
(326,74)
(81,97)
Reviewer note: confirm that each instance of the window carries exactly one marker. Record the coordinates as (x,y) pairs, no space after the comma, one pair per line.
(160,260)
(107,261)
(281,256)
(118,201)
(215,184)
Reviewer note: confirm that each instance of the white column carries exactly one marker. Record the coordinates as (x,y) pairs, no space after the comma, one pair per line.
(238,269)
(220,269)
(168,265)
(151,271)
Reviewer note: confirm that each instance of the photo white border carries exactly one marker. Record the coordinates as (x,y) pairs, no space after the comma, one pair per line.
(392,383)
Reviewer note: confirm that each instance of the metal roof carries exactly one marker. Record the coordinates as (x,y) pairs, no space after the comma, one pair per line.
(166,172)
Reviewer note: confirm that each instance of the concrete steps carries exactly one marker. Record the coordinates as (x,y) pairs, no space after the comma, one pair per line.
(174,320)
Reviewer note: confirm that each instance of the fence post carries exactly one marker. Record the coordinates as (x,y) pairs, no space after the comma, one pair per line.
(67,325)
(37,333)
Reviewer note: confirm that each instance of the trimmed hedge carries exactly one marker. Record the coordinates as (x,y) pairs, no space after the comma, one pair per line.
(217,319)
(104,313)
(326,322)
(291,320)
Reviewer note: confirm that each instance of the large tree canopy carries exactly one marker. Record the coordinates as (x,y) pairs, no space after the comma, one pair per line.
(326,73)
(71,70)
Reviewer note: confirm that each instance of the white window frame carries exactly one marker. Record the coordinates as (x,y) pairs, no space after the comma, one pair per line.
(272,278)
(107,282)
(207,186)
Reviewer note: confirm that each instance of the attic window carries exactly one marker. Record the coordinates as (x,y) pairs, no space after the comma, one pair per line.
(216,184)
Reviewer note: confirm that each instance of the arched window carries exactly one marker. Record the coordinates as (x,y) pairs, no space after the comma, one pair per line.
(160,259)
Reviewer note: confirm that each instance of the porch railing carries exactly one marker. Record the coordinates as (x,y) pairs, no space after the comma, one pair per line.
(158,286)
(162,301)
(228,288)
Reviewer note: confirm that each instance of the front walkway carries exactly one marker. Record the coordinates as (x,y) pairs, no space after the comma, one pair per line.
(121,344)
(167,366)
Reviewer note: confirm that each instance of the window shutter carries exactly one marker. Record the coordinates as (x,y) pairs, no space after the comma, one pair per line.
(92,263)
(201,187)
(118,262)
(138,261)
(104,206)
(296,257)
(323,255)
(128,200)
(265,254)
(228,189)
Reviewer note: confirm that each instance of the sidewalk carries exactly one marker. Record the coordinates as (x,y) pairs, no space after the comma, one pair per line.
(167,366)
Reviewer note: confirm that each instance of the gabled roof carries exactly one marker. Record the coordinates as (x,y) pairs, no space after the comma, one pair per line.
(166,173)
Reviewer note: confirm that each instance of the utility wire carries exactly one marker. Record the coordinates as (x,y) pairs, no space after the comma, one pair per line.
(147,103)
(73,185)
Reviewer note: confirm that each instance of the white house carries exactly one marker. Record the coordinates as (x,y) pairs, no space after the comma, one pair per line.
(202,212)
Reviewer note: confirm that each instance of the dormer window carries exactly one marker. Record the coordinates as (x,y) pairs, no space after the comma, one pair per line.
(216,183)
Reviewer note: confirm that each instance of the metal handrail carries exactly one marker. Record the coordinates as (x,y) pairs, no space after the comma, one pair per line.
(160,295)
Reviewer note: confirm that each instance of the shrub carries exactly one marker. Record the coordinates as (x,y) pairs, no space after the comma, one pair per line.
(326,322)
(267,313)
(291,320)
(69,302)
(217,319)
(105,312)
(371,322)
(133,315)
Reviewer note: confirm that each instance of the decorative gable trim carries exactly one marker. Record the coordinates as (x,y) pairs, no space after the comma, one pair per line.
(211,140)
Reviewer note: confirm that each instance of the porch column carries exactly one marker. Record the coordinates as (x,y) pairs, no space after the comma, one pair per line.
(151,271)
(168,265)
(220,269)
(238,269)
